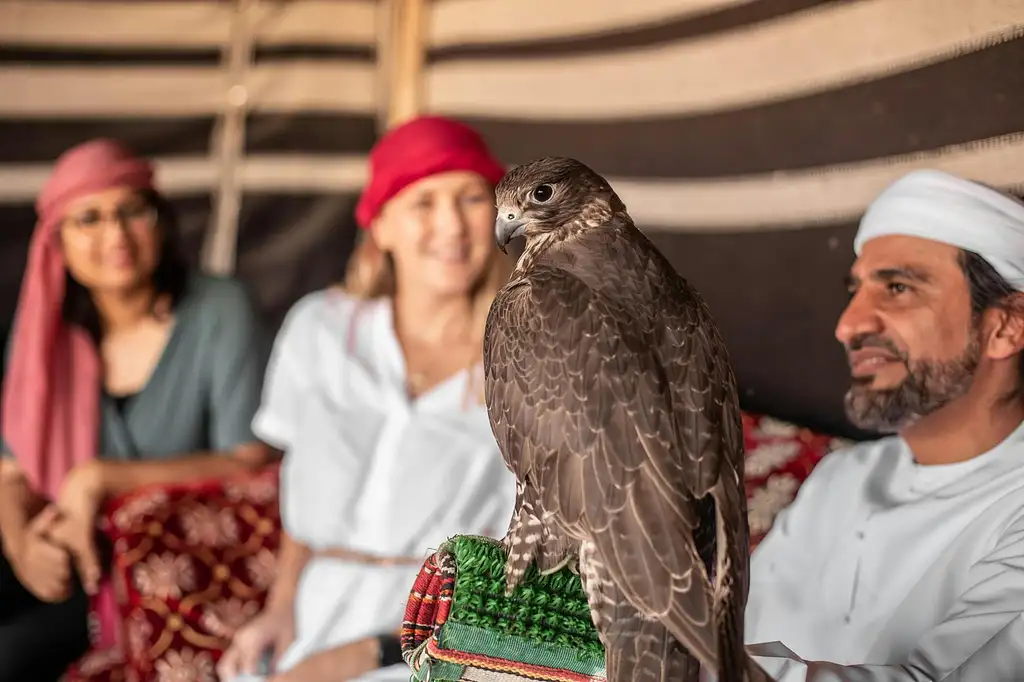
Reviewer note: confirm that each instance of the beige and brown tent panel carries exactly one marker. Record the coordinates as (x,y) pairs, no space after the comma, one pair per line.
(746,136)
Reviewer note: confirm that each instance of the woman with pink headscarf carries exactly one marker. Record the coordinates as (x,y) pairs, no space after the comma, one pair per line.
(124,369)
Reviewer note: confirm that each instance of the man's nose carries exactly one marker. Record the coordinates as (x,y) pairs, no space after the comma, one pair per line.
(859,318)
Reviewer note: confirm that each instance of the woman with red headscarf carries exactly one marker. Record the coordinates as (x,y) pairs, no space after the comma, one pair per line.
(375,395)
(124,370)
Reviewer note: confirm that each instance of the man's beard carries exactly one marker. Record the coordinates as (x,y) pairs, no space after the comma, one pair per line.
(928,386)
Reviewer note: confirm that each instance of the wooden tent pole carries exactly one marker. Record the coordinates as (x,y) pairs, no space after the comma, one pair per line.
(221,242)
(407,48)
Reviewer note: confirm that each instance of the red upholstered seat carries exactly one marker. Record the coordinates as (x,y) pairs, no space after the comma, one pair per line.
(193,562)
(780,456)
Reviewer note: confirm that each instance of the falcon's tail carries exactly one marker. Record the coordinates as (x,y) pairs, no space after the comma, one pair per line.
(730,584)
(650,654)
(731,654)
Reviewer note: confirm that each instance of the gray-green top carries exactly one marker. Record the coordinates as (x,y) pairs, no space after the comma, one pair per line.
(206,386)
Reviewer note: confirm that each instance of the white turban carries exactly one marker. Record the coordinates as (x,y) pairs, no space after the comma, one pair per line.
(944,208)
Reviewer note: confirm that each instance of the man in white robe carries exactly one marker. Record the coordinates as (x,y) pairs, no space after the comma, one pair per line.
(903,559)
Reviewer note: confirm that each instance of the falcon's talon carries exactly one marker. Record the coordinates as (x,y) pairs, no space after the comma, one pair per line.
(567,561)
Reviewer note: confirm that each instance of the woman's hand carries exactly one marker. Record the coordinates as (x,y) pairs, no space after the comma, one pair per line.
(41,563)
(340,664)
(273,629)
(79,502)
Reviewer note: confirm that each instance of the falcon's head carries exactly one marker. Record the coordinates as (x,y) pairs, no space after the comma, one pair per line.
(551,194)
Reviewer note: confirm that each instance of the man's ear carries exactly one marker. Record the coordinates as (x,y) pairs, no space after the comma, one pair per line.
(1007,324)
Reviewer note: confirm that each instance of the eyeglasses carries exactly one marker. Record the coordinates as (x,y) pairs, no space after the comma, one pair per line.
(139,216)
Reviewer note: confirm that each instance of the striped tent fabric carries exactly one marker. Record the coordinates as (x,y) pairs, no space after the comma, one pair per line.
(747,137)
(259,116)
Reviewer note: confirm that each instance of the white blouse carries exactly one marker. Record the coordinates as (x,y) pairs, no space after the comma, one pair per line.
(886,570)
(370,470)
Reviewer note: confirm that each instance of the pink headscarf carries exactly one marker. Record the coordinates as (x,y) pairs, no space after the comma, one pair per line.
(51,390)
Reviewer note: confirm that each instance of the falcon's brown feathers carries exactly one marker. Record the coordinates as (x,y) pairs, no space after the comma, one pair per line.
(612,400)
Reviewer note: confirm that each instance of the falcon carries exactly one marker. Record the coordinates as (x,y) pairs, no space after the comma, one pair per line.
(612,400)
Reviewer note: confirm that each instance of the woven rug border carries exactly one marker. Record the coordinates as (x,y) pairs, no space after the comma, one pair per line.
(438,670)
(469,645)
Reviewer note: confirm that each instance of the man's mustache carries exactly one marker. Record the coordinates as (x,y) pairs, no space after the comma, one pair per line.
(876,341)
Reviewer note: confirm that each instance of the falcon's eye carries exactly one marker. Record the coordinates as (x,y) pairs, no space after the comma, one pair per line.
(542,193)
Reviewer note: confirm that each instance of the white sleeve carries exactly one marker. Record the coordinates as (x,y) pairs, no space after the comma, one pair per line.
(496,513)
(289,375)
(982,637)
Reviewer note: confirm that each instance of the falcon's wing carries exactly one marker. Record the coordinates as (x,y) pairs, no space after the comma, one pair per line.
(615,433)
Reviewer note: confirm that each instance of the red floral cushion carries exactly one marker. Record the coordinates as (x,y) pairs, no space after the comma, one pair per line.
(106,665)
(194,562)
(191,564)
(780,456)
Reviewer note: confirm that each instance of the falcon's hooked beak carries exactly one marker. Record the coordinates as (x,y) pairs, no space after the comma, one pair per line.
(507,227)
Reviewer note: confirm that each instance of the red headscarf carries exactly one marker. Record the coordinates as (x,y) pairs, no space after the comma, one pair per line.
(51,390)
(420,148)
